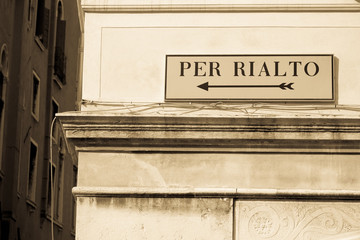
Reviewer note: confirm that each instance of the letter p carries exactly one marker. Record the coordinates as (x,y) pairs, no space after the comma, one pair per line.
(183,66)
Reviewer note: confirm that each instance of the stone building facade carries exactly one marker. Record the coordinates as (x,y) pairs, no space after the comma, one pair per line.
(171,146)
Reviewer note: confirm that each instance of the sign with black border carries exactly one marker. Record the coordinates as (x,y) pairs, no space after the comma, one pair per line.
(286,78)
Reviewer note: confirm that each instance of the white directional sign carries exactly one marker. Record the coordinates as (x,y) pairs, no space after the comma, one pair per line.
(249,78)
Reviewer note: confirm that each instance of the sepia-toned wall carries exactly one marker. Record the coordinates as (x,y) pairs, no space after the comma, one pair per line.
(128,51)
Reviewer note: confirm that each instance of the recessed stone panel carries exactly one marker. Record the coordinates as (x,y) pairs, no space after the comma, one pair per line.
(219,170)
(154,218)
(297,220)
(120,66)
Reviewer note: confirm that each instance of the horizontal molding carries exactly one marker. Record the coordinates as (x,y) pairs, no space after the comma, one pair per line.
(104,120)
(240,193)
(219,6)
(220,146)
(213,134)
(115,126)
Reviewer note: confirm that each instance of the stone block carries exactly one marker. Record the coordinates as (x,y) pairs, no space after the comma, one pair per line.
(219,170)
(110,218)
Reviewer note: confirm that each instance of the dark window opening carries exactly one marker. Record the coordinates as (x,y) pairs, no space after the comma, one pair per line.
(35,96)
(54,110)
(51,179)
(5,229)
(73,220)
(62,149)
(32,170)
(59,193)
(60,58)
(2,101)
(29,10)
(42,23)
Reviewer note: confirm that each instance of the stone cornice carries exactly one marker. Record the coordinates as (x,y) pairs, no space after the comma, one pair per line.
(217,134)
(120,6)
(239,193)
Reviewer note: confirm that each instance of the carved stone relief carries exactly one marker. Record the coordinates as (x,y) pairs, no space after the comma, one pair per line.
(297,220)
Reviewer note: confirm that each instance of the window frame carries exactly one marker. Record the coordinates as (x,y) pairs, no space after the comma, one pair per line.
(35,114)
(49,197)
(31,189)
(30,11)
(37,23)
(59,61)
(42,25)
(58,165)
(55,130)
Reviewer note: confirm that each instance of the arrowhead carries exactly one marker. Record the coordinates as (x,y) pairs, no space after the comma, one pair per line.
(282,86)
(290,86)
(204,86)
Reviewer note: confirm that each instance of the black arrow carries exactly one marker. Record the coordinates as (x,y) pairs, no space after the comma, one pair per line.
(283,86)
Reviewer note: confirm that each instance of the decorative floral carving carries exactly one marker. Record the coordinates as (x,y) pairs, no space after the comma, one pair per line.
(262,224)
(287,220)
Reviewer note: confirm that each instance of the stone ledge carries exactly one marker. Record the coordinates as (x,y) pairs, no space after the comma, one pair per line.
(239,193)
(105,122)
(234,134)
(121,6)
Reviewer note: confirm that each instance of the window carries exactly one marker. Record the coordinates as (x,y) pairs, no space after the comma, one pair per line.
(35,99)
(42,23)
(56,183)
(73,222)
(60,188)
(51,186)
(59,56)
(29,10)
(2,100)
(3,83)
(54,110)
(32,170)
(30,13)
(2,107)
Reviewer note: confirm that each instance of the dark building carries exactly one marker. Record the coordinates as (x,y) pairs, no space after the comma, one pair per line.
(40,42)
